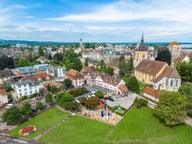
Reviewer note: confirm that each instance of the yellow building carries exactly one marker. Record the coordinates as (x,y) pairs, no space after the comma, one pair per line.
(159,74)
(141,52)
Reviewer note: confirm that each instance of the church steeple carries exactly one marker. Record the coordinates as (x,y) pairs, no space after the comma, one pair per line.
(142,39)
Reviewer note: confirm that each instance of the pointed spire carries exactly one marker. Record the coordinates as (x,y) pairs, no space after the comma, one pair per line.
(142,39)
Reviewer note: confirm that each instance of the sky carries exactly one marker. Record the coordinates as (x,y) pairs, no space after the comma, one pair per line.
(96,20)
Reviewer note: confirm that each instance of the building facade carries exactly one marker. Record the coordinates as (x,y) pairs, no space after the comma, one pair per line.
(25,88)
(159,74)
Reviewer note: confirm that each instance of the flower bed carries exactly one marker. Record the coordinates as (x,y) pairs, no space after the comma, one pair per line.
(27,130)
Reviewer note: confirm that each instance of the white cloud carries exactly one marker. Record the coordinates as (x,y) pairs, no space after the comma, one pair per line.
(127,10)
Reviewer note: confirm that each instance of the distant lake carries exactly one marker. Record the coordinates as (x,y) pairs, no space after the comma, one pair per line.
(186,45)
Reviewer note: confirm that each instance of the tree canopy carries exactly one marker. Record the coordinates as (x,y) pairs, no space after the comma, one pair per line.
(12,115)
(132,84)
(171,109)
(6,62)
(26,109)
(163,54)
(48,98)
(23,62)
(77,65)
(186,90)
(67,83)
(63,97)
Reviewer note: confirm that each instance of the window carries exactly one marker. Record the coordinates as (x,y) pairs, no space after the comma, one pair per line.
(176,82)
(167,81)
(25,93)
(19,90)
(30,91)
(171,83)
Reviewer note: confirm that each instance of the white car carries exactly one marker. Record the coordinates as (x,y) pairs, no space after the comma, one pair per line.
(9,106)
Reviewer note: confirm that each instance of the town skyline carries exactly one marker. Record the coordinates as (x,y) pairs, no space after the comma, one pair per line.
(96,21)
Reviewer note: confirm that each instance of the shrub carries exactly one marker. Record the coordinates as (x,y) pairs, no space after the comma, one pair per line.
(141,103)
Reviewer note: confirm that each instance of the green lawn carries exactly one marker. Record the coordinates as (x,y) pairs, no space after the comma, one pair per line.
(78,130)
(42,122)
(137,127)
(141,86)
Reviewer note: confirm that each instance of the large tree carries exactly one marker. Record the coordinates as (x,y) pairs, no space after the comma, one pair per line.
(6,62)
(12,115)
(132,84)
(187,91)
(163,54)
(171,109)
(23,62)
(48,98)
(40,51)
(26,109)
(68,64)
(77,65)
(66,100)
(125,68)
(67,83)
(99,94)
(63,97)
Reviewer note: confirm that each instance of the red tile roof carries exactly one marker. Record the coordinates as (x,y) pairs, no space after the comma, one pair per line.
(152,91)
(124,89)
(173,43)
(74,75)
(3,92)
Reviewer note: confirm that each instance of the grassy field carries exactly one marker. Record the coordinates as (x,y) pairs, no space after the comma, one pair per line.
(42,122)
(137,127)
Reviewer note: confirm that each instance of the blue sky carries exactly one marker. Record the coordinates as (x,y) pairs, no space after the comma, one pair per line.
(96,20)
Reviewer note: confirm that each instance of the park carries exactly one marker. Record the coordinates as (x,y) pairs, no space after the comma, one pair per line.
(138,126)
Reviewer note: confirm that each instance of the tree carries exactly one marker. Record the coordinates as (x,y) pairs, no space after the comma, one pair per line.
(48,98)
(12,115)
(124,69)
(70,106)
(40,51)
(77,65)
(92,103)
(171,109)
(26,109)
(68,64)
(58,57)
(99,94)
(133,84)
(23,62)
(6,62)
(39,105)
(86,62)
(164,55)
(63,97)
(67,83)
(121,58)
(82,100)
(186,90)
(49,87)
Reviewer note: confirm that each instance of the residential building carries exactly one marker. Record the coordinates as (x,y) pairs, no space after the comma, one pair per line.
(152,93)
(5,75)
(104,80)
(3,96)
(25,88)
(42,59)
(159,74)
(76,77)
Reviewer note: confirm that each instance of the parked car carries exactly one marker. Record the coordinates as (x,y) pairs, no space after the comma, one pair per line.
(9,106)
(111,99)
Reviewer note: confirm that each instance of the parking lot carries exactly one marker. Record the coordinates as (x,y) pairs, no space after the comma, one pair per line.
(126,101)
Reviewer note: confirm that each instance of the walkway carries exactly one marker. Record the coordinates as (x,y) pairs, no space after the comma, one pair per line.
(6,139)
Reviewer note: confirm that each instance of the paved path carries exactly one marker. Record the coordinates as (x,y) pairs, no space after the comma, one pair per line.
(6,139)
(53,127)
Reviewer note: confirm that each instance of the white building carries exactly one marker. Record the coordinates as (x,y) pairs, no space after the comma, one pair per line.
(3,96)
(76,77)
(25,88)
